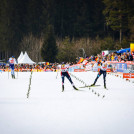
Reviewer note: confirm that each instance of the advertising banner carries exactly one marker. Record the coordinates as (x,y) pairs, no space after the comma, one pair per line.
(128,75)
(121,67)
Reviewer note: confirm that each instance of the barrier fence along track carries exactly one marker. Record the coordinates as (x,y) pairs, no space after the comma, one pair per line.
(113,66)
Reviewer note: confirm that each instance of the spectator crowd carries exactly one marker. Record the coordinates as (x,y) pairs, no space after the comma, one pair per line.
(126,56)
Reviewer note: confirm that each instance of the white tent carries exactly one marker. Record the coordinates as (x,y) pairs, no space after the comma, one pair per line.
(25,60)
(20,57)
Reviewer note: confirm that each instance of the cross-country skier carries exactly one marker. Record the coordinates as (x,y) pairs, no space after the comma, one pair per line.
(12,61)
(64,73)
(102,71)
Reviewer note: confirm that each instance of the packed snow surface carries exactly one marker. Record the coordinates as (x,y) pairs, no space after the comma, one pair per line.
(35,104)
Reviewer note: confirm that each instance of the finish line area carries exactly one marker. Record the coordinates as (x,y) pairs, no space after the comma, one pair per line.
(49,110)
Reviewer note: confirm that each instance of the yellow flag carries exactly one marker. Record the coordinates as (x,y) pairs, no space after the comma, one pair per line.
(132,47)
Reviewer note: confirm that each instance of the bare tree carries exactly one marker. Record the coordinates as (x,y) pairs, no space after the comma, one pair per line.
(32,45)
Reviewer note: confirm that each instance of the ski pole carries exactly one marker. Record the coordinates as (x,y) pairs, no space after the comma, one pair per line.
(17,71)
(8,73)
(57,75)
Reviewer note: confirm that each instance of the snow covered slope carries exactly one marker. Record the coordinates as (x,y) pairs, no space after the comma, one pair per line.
(47,110)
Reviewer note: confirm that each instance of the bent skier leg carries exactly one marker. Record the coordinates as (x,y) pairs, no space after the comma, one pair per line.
(69,78)
(62,82)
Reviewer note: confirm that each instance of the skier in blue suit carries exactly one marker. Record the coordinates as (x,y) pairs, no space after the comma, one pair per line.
(12,62)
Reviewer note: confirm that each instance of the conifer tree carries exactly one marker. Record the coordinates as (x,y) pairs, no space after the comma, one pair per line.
(49,48)
(116,13)
(11,25)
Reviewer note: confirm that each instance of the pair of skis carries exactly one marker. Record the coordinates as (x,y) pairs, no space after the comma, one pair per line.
(88,86)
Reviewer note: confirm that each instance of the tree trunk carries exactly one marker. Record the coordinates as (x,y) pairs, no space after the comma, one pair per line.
(120,36)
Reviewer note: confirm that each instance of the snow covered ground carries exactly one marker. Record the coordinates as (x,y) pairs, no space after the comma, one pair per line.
(44,109)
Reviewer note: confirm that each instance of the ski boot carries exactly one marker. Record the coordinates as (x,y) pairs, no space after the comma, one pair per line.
(105,86)
(62,88)
(92,85)
(75,88)
(13,76)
